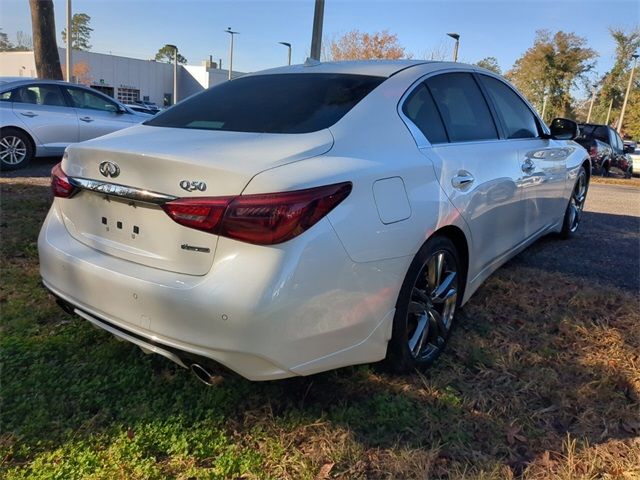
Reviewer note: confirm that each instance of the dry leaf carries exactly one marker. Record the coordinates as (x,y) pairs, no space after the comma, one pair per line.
(514,434)
(324,471)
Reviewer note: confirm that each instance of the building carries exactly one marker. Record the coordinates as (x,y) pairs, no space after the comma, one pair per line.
(125,79)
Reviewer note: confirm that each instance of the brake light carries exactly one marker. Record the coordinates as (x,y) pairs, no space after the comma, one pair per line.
(60,185)
(263,219)
(593,151)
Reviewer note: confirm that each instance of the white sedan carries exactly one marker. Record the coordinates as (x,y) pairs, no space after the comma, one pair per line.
(309,217)
(41,117)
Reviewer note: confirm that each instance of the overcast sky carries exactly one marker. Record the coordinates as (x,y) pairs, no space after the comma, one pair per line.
(503,29)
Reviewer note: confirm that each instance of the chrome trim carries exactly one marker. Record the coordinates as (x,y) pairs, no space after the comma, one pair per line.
(121,191)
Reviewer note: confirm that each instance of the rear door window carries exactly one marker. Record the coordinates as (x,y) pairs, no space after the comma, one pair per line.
(464,110)
(39,95)
(421,110)
(516,117)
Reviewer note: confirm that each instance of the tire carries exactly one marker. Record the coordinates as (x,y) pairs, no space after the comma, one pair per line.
(573,213)
(426,307)
(605,169)
(16,149)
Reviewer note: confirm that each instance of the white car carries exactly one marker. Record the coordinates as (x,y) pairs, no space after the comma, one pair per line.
(309,217)
(41,117)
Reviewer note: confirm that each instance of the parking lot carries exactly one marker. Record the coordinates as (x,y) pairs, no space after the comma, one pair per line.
(541,379)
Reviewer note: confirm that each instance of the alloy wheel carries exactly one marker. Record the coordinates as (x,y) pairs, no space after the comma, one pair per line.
(576,204)
(432,306)
(13,150)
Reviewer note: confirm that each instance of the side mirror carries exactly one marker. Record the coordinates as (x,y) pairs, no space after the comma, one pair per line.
(628,149)
(564,129)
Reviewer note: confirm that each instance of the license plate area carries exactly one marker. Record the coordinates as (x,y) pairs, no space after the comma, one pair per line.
(138,232)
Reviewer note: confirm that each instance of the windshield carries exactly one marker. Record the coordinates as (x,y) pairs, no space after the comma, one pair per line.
(279,103)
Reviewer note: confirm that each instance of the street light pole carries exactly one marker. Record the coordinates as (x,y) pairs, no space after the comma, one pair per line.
(69,21)
(593,99)
(626,95)
(288,45)
(232,33)
(456,37)
(316,35)
(606,122)
(175,72)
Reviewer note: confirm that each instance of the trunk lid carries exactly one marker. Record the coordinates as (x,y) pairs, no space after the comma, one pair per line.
(158,159)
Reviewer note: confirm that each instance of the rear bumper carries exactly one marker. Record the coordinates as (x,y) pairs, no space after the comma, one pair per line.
(264,312)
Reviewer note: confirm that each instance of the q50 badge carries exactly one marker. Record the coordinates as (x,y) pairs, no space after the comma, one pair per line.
(192,185)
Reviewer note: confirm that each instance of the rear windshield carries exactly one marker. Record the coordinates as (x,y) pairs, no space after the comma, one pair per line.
(278,103)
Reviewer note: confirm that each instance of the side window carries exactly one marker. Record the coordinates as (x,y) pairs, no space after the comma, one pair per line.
(6,96)
(421,110)
(84,99)
(464,110)
(619,145)
(39,95)
(516,117)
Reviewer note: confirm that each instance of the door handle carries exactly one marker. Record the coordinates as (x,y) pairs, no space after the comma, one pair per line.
(528,166)
(86,119)
(462,180)
(29,114)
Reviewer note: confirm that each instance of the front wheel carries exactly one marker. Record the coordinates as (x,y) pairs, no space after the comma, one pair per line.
(426,306)
(573,213)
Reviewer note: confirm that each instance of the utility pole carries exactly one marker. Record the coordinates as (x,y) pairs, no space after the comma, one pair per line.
(175,72)
(69,21)
(593,99)
(316,36)
(626,95)
(456,37)
(606,122)
(232,34)
(544,106)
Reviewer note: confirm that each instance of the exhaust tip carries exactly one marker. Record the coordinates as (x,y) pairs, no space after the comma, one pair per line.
(204,375)
(65,306)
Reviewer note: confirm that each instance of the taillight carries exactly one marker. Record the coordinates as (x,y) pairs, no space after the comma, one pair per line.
(593,151)
(60,185)
(264,219)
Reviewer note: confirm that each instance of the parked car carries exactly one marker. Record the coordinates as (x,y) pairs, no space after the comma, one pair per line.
(600,154)
(590,133)
(148,105)
(306,218)
(141,109)
(635,162)
(41,117)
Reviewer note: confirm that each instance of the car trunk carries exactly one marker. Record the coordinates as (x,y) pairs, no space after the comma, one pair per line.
(158,159)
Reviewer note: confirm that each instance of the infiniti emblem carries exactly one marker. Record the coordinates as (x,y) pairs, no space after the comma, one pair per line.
(109,169)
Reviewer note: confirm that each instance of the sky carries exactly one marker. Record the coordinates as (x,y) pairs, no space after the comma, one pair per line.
(502,29)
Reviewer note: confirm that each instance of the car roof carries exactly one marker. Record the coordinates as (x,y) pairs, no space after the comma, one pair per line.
(378,68)
(11,82)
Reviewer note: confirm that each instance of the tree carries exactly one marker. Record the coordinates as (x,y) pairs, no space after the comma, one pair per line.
(5,43)
(24,42)
(45,47)
(490,63)
(165,54)
(80,32)
(614,83)
(552,67)
(355,45)
(81,73)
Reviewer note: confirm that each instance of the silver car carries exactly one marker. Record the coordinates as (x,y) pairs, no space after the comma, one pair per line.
(39,118)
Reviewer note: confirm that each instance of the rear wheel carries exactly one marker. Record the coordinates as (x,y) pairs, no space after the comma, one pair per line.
(573,214)
(426,307)
(16,149)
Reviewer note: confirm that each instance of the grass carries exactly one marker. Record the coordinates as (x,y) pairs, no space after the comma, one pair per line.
(633,181)
(541,381)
